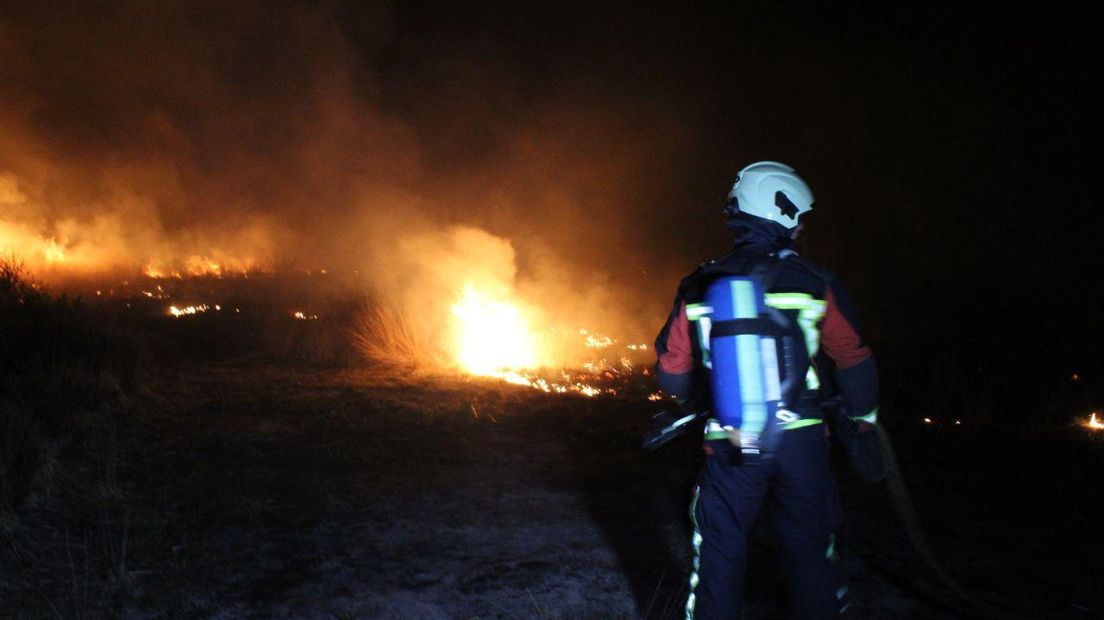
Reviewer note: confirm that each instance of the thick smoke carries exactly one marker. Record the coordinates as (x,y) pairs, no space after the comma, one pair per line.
(138,133)
(173,136)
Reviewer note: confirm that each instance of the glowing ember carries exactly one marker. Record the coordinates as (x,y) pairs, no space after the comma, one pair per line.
(199,265)
(1094,423)
(491,335)
(569,386)
(595,341)
(305,317)
(188,310)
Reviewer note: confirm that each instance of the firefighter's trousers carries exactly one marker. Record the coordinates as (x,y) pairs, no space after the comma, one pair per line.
(797,484)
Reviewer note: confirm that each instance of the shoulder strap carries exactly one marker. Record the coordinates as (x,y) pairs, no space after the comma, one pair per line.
(761,268)
(820,272)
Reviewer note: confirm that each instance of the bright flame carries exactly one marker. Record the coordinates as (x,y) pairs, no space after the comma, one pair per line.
(1094,423)
(73,246)
(491,335)
(58,251)
(54,252)
(595,341)
(494,338)
(199,265)
(179,312)
(154,272)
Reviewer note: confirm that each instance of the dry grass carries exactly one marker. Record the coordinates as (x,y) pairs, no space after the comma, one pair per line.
(383,336)
(23,454)
(58,359)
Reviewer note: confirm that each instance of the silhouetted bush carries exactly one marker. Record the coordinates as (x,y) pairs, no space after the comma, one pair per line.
(384,336)
(58,358)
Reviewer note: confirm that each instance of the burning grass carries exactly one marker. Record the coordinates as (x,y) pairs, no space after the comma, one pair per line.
(1093,423)
(287,315)
(491,334)
(493,338)
(282,489)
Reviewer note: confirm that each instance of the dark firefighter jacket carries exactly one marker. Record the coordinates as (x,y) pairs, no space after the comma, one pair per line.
(809,293)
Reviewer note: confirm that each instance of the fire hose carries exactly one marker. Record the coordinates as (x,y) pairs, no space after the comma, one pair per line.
(872,461)
(906,511)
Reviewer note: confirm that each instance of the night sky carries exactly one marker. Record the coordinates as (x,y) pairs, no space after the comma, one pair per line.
(953,152)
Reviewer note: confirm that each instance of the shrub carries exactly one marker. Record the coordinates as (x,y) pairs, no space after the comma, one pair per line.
(58,358)
(383,336)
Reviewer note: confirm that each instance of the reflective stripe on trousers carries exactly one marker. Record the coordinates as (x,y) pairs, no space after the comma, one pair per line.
(798,486)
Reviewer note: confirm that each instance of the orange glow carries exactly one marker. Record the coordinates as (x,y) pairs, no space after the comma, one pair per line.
(497,337)
(492,324)
(595,341)
(491,334)
(198,265)
(54,253)
(569,385)
(189,310)
(76,247)
(1094,423)
(154,272)
(42,253)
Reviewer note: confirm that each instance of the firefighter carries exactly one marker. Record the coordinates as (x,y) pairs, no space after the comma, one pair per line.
(788,471)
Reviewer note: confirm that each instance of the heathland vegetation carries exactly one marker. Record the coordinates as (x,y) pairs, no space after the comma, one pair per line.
(63,365)
(285,456)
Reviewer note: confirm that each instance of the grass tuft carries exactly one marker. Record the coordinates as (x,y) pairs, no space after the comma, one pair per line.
(383,336)
(58,359)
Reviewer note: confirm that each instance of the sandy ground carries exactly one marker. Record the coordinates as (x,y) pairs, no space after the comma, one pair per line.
(253,490)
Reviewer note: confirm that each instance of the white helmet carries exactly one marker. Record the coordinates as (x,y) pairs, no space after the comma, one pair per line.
(772,191)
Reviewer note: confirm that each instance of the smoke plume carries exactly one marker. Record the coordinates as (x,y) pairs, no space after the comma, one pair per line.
(198,137)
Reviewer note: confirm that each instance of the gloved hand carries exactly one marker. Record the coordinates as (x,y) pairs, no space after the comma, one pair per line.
(860,442)
(733,436)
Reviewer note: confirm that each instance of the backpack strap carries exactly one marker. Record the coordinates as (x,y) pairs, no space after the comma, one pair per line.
(739,327)
(760,268)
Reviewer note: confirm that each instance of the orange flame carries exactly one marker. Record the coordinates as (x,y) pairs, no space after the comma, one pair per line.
(1093,423)
(189,310)
(491,334)
(494,337)
(198,265)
